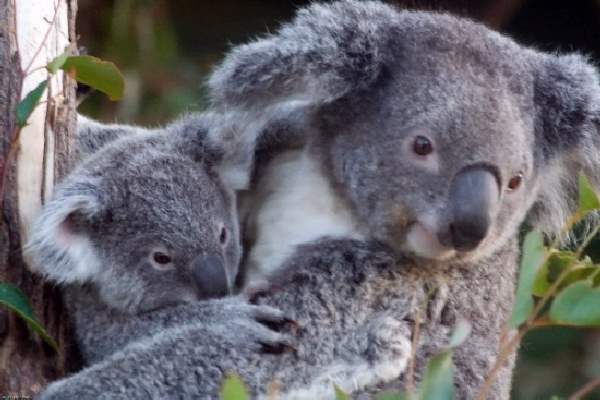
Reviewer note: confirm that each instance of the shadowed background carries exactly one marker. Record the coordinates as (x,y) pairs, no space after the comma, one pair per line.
(165,50)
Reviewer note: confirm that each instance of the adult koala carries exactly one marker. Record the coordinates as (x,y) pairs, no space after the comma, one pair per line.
(428,133)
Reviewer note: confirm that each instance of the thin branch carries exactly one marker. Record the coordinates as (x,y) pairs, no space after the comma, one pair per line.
(410,372)
(586,389)
(505,352)
(25,72)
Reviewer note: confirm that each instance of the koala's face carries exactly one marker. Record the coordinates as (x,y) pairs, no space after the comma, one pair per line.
(438,161)
(146,224)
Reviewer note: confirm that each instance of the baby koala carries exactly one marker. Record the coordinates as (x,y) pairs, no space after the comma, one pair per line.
(146,221)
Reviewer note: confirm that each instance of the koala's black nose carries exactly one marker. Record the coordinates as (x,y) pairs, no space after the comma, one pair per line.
(474,195)
(210,276)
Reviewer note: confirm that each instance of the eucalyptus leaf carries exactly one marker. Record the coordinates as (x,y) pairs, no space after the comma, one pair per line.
(58,62)
(460,334)
(233,388)
(96,73)
(339,393)
(577,304)
(438,382)
(28,104)
(15,300)
(588,198)
(392,396)
(532,259)
(552,269)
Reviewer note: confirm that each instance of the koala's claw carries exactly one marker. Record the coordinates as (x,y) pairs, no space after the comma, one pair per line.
(274,319)
(278,348)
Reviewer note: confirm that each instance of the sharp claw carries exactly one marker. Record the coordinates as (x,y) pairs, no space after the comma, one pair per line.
(279,348)
(292,323)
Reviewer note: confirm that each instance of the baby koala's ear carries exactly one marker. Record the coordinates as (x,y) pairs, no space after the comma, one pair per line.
(59,246)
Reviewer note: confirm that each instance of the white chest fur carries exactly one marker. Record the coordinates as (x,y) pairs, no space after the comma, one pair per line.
(293,203)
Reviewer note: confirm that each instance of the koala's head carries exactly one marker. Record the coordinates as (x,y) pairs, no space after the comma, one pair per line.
(150,220)
(441,134)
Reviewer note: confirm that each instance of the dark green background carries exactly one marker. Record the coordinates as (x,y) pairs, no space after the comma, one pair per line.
(166,48)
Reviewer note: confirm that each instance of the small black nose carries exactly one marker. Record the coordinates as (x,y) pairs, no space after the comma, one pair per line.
(210,276)
(467,234)
(474,196)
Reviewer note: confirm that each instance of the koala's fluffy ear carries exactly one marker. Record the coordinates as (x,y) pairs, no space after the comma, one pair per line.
(91,135)
(59,246)
(567,128)
(327,51)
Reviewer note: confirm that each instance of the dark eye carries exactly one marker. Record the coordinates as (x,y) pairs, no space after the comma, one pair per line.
(223,236)
(515,182)
(161,258)
(422,146)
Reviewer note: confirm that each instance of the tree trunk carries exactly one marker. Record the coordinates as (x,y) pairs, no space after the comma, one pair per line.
(32,32)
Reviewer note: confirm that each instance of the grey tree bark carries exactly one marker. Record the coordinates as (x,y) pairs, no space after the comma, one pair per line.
(32,32)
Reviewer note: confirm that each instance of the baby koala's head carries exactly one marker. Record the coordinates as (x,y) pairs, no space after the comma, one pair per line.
(149,220)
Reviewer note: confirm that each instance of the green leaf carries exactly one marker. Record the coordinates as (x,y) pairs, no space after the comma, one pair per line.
(96,73)
(15,300)
(233,388)
(588,199)
(578,305)
(532,258)
(27,105)
(461,331)
(552,269)
(58,62)
(438,383)
(392,396)
(339,393)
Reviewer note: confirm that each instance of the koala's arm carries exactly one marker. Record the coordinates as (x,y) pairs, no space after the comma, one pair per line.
(102,331)
(185,362)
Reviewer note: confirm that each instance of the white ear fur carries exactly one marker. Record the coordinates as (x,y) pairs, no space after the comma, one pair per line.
(57,252)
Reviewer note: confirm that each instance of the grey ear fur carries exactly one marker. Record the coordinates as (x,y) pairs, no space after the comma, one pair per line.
(91,135)
(59,253)
(567,129)
(327,51)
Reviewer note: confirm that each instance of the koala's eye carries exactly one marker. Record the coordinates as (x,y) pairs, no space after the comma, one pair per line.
(223,236)
(161,258)
(422,146)
(515,182)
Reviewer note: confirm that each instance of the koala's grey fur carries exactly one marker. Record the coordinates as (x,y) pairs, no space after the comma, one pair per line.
(367,78)
(136,191)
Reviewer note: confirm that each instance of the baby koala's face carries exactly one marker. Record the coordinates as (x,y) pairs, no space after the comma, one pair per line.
(148,225)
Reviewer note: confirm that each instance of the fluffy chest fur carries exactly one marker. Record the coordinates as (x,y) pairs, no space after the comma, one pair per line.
(293,203)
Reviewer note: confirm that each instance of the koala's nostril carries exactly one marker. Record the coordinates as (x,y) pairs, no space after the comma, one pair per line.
(466,235)
(210,276)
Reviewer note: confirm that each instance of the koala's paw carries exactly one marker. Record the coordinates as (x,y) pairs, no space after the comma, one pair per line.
(388,340)
(257,326)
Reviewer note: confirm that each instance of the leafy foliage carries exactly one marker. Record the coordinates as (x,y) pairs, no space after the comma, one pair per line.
(339,393)
(28,104)
(233,389)
(13,298)
(96,73)
(532,259)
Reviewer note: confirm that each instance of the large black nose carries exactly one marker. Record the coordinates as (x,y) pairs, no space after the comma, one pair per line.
(210,276)
(474,195)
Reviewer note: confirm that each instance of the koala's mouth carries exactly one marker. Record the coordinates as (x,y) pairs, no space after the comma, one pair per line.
(422,242)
